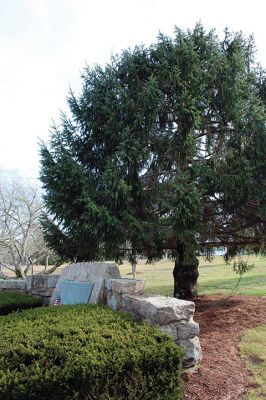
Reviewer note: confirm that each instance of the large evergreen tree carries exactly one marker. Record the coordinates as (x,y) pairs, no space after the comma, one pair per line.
(165,148)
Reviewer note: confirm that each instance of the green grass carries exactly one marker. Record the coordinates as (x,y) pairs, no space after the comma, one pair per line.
(253,350)
(215,277)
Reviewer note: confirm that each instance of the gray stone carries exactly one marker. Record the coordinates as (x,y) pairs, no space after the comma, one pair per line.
(117,287)
(174,317)
(192,349)
(43,292)
(13,284)
(28,282)
(159,310)
(39,280)
(52,281)
(187,329)
(126,286)
(99,294)
(114,300)
(97,273)
(170,330)
(42,285)
(131,304)
(89,272)
(21,284)
(2,283)
(36,281)
(182,329)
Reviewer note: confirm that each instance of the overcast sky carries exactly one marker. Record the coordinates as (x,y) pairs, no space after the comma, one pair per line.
(44,45)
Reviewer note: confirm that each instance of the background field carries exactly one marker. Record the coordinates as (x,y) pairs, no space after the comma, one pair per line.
(215,277)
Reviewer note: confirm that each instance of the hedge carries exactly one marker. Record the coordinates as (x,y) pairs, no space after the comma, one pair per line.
(86,352)
(13,301)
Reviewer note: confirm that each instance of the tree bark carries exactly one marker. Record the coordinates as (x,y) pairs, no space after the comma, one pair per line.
(134,268)
(185,273)
(53,268)
(18,271)
(46,262)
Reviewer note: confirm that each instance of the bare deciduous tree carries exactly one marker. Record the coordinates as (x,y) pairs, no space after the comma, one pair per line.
(21,238)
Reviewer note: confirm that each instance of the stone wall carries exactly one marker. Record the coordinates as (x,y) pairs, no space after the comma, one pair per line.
(13,284)
(174,317)
(42,285)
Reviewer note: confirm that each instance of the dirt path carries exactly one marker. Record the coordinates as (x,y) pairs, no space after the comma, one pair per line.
(222,374)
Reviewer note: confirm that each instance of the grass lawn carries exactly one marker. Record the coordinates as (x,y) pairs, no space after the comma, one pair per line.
(215,277)
(218,278)
(253,349)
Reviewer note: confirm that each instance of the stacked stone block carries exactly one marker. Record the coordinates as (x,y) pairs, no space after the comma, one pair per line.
(42,285)
(13,284)
(174,317)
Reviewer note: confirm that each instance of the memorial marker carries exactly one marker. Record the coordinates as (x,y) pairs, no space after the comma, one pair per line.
(75,292)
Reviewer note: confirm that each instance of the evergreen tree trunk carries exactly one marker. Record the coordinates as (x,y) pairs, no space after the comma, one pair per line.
(185,273)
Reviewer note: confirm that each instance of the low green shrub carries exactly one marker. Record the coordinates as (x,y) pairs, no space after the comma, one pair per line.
(85,352)
(13,301)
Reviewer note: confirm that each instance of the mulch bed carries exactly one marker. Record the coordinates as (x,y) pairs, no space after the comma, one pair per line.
(222,374)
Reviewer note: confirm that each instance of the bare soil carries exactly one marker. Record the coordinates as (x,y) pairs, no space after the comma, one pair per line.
(222,374)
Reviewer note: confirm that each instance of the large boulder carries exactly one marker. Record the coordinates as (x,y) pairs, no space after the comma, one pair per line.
(96,273)
(192,349)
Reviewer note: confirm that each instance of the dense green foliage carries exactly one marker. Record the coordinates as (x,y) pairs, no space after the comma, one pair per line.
(13,301)
(85,352)
(165,148)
